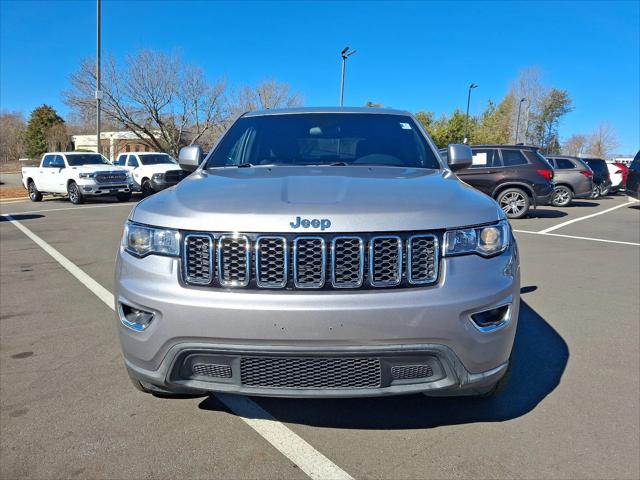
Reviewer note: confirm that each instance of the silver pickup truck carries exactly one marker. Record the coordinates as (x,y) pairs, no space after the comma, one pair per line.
(322,253)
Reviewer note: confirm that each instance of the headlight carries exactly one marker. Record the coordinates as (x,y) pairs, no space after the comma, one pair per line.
(158,176)
(141,240)
(485,241)
(88,175)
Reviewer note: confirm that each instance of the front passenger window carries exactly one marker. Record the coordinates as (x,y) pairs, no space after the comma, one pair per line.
(132,162)
(485,158)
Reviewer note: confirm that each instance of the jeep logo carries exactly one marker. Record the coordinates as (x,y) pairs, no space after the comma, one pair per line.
(321,223)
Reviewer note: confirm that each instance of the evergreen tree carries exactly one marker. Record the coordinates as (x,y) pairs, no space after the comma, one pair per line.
(41,120)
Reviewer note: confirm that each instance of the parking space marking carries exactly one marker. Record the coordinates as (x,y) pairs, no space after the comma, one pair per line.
(71,208)
(292,446)
(579,238)
(579,219)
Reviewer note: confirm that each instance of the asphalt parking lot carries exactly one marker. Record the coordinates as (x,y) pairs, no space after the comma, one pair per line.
(571,409)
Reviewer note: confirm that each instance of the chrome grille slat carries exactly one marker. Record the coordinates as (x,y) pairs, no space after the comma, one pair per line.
(198,258)
(347,262)
(234,260)
(272,262)
(309,262)
(385,261)
(322,261)
(422,254)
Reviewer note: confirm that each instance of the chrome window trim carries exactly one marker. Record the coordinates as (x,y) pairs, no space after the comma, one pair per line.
(436,259)
(285,266)
(295,263)
(372,242)
(185,258)
(360,281)
(234,283)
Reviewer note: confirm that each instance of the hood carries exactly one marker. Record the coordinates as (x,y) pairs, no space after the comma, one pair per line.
(164,167)
(352,199)
(98,168)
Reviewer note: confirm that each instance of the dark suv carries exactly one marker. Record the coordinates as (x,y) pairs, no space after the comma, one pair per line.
(573,179)
(633,178)
(601,176)
(517,176)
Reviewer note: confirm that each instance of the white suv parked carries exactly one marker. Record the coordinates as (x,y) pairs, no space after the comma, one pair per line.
(151,171)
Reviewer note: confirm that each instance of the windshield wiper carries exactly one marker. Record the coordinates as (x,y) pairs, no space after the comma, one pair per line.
(244,165)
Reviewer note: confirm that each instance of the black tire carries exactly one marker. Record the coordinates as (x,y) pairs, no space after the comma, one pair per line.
(75,195)
(124,196)
(146,188)
(34,194)
(562,196)
(514,202)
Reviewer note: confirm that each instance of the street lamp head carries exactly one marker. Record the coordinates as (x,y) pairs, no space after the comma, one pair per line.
(473,85)
(523,99)
(344,50)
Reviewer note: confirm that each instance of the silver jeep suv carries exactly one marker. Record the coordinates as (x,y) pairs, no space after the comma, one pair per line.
(322,253)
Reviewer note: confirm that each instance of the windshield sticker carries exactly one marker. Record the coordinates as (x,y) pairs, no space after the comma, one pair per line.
(405,126)
(479,159)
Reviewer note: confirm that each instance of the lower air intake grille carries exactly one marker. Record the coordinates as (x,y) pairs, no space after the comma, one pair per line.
(212,370)
(286,372)
(404,372)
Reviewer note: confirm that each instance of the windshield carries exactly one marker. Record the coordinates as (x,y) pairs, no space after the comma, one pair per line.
(78,159)
(324,139)
(156,159)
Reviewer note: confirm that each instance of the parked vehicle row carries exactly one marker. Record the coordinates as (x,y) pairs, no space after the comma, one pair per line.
(573,179)
(82,175)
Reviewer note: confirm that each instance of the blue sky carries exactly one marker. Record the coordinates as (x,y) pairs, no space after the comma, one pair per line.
(414,55)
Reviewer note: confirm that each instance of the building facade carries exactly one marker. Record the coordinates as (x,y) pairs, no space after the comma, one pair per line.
(111,143)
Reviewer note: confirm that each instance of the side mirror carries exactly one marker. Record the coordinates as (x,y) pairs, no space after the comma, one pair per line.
(459,157)
(189,157)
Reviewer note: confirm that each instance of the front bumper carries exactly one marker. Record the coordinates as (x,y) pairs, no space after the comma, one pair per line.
(160,183)
(427,327)
(94,188)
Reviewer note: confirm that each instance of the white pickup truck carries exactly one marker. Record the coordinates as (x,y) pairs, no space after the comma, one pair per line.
(151,171)
(77,174)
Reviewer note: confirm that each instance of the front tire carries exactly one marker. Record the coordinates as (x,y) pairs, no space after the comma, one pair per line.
(514,202)
(604,191)
(34,194)
(595,193)
(75,195)
(562,196)
(146,188)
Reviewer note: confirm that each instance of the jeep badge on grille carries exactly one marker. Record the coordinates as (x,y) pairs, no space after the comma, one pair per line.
(321,223)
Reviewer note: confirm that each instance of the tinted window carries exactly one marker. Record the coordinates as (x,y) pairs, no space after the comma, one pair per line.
(47,160)
(121,160)
(78,159)
(512,158)
(564,164)
(156,159)
(132,162)
(57,161)
(485,158)
(324,139)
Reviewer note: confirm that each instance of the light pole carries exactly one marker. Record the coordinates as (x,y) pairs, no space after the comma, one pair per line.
(466,128)
(98,92)
(344,54)
(522,100)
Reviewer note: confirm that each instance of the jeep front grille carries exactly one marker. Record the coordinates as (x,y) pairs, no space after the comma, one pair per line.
(310,262)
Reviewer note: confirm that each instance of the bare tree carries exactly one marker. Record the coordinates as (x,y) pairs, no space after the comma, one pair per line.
(603,141)
(166,103)
(266,95)
(575,145)
(529,86)
(57,137)
(12,130)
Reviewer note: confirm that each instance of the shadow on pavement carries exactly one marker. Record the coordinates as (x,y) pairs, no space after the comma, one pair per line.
(539,360)
(583,203)
(544,213)
(17,216)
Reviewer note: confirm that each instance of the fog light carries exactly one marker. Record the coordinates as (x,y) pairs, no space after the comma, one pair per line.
(493,319)
(135,318)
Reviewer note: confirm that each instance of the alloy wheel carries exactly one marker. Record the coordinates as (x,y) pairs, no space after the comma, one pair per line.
(513,203)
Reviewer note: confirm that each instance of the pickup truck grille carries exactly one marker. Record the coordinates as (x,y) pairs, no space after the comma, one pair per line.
(111,177)
(171,176)
(309,262)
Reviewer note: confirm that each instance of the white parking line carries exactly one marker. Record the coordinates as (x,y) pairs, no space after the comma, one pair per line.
(71,208)
(579,219)
(292,446)
(579,238)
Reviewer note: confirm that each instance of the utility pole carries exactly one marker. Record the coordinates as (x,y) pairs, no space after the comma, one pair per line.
(522,100)
(344,54)
(466,127)
(98,92)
